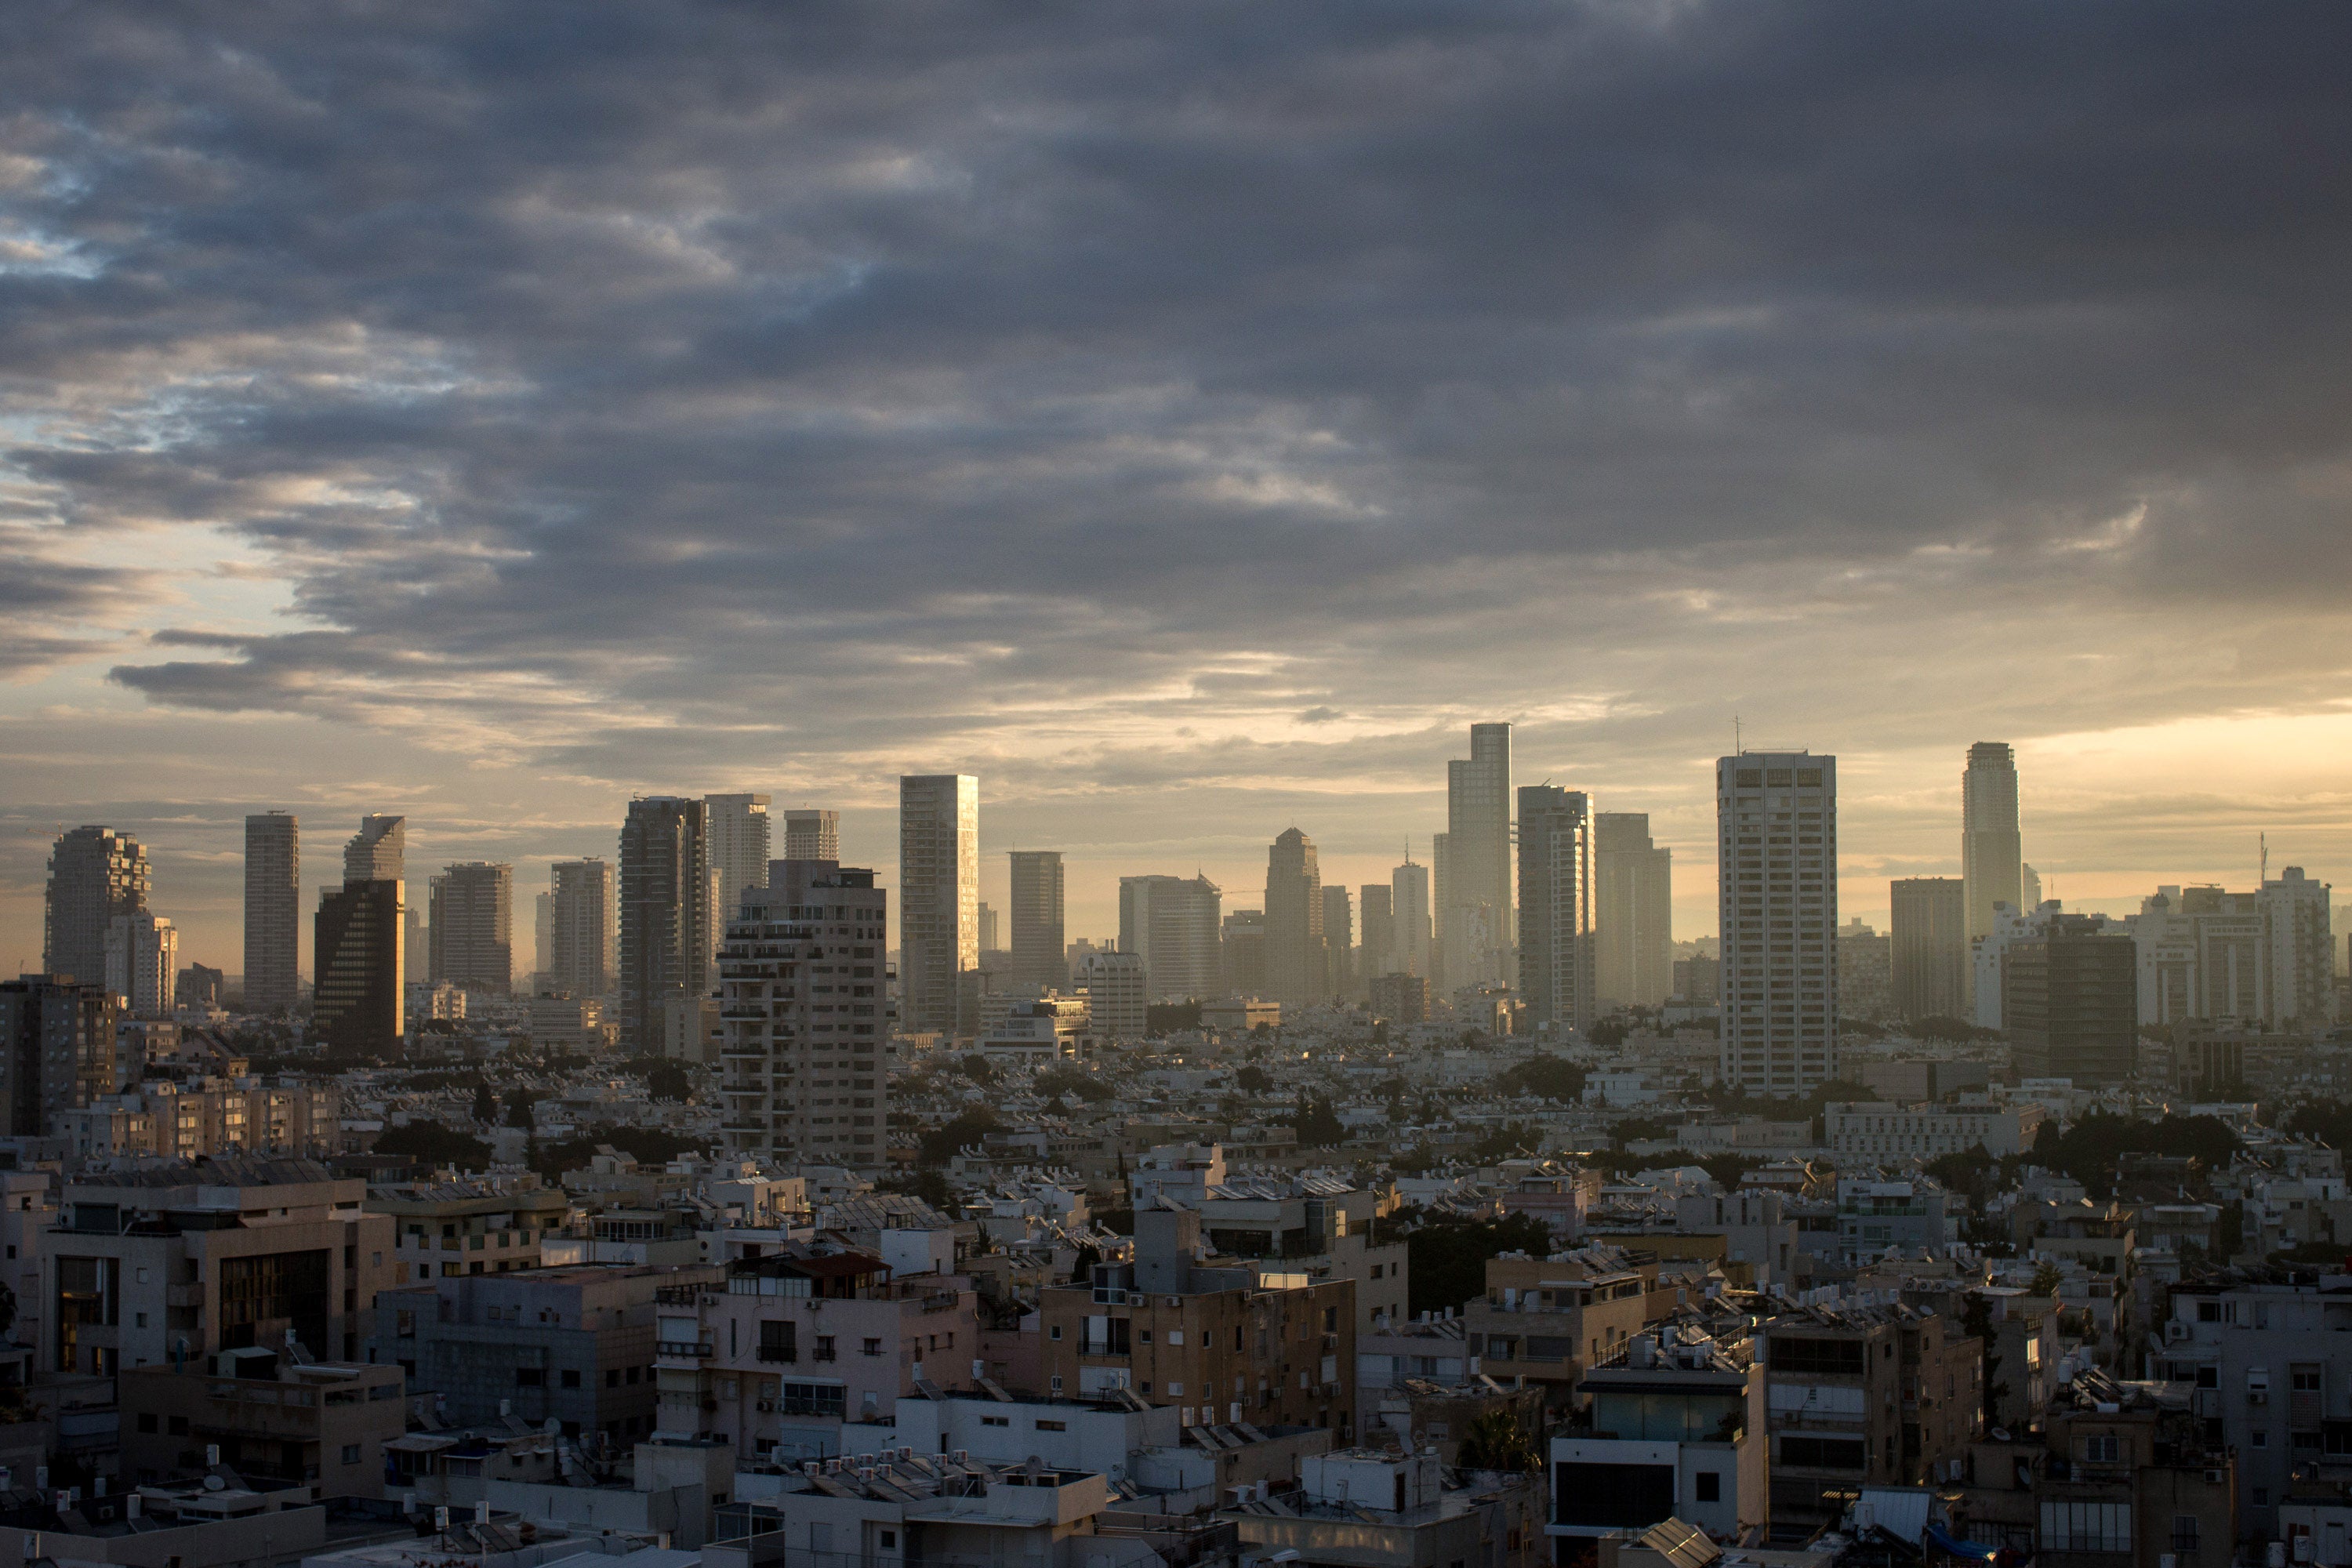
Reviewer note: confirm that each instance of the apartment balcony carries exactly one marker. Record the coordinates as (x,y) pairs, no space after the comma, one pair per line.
(787,1354)
(681,1350)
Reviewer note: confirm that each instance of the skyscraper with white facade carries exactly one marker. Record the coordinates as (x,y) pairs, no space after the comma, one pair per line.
(1171,923)
(1475,924)
(1992,854)
(1039,941)
(740,849)
(142,958)
(1558,947)
(95,874)
(938,895)
(805,1019)
(1634,882)
(581,919)
(273,911)
(2299,951)
(1776,849)
(1114,984)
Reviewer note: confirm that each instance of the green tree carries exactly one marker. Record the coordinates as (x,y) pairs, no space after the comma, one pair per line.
(924,1182)
(1446,1258)
(1609,1033)
(429,1143)
(975,1068)
(942,1144)
(1253,1078)
(485,1105)
(1316,1124)
(1505,1140)
(518,1109)
(1545,1078)
(1497,1441)
(669,1082)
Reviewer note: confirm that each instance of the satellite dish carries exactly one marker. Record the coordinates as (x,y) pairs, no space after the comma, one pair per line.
(214,1484)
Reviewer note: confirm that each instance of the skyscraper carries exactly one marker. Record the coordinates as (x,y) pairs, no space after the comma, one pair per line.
(1409,900)
(543,926)
(666,905)
(2070,1002)
(1475,922)
(356,1001)
(95,874)
(472,927)
(580,922)
(1171,923)
(1038,939)
(938,895)
(1113,983)
(805,1017)
(1559,956)
(1240,953)
(1295,964)
(378,852)
(1930,956)
(1339,941)
(1634,884)
(2298,950)
(273,911)
(1776,849)
(143,959)
(811,835)
(1991,855)
(1441,899)
(1376,949)
(57,1049)
(739,850)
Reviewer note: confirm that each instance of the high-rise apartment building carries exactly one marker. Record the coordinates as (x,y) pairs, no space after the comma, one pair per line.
(1776,849)
(378,852)
(580,920)
(1171,923)
(1115,1002)
(95,874)
(57,1049)
(1296,970)
(1038,939)
(1930,939)
(1441,899)
(938,895)
(273,911)
(471,935)
(1410,907)
(1559,953)
(665,906)
(543,926)
(143,961)
(1339,941)
(1375,948)
(2299,951)
(991,934)
(805,1019)
(1992,854)
(811,835)
(1242,953)
(740,849)
(1634,887)
(2029,884)
(2070,1002)
(1475,923)
(356,998)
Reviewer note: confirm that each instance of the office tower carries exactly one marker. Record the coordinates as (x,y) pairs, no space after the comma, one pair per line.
(142,958)
(811,835)
(1991,851)
(1930,957)
(580,920)
(1339,942)
(2299,952)
(740,849)
(2070,1002)
(1865,966)
(200,988)
(1559,954)
(1475,922)
(1376,947)
(378,851)
(1441,899)
(472,929)
(416,946)
(57,1049)
(1242,949)
(95,874)
(355,992)
(1294,971)
(990,939)
(1696,979)
(1115,1002)
(2029,889)
(1171,923)
(273,911)
(805,1018)
(1038,939)
(1409,898)
(1634,884)
(665,947)
(938,895)
(543,950)
(1776,847)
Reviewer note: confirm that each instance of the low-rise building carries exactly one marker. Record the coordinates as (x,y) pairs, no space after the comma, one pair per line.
(1363,1507)
(472,1227)
(1873,1216)
(1678,1432)
(1543,1321)
(1313,1225)
(316,1425)
(1889,1133)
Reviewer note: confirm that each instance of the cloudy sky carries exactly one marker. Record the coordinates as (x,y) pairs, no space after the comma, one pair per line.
(1188,418)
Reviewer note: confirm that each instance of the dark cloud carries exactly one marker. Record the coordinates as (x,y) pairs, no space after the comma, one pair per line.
(656,386)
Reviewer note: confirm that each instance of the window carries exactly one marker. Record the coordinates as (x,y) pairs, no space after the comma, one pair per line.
(147,1422)
(1812,1355)
(529,1377)
(2208,1311)
(570,1378)
(612,1377)
(874,1347)
(178,1426)
(1055,1332)
(2101,1451)
(889,1540)
(2306,1380)
(1708,1486)
(2184,1532)
(996,1420)
(1052,1425)
(2086,1526)
(351,1453)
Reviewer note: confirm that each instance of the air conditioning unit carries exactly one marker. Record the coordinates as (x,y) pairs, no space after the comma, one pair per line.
(2258,1396)
(767,1406)
(2215,1478)
(2175,1331)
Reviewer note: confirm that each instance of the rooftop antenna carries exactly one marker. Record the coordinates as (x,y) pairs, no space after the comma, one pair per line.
(1735,734)
(2265,873)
